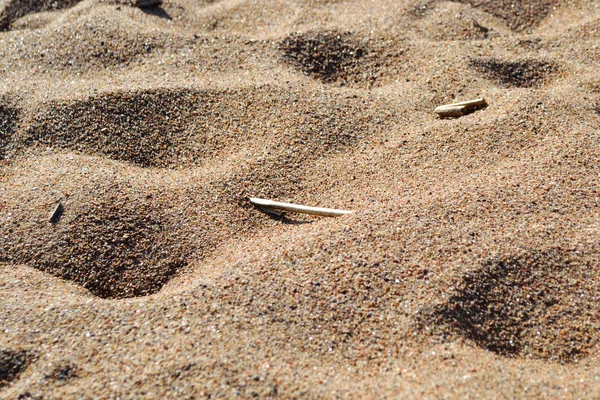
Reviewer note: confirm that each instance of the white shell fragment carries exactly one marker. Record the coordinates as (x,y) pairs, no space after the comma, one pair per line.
(456,110)
(275,205)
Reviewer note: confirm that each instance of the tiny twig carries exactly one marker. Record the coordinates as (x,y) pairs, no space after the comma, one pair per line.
(55,216)
(324,212)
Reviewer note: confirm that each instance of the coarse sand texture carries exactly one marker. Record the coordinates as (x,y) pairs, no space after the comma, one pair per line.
(133,264)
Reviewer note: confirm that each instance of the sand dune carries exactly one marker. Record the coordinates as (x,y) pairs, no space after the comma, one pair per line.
(470,266)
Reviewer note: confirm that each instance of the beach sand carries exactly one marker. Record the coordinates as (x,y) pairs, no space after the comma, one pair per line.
(469,268)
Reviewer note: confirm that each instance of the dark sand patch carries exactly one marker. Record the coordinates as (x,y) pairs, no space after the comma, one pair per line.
(528,73)
(62,371)
(539,305)
(12,364)
(327,56)
(343,57)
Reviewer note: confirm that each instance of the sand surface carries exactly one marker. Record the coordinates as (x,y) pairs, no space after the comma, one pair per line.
(470,267)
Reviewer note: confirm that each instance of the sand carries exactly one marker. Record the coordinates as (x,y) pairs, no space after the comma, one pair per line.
(469,268)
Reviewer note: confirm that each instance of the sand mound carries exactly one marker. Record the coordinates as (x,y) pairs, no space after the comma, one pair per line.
(119,244)
(15,9)
(518,14)
(449,21)
(146,128)
(84,41)
(173,127)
